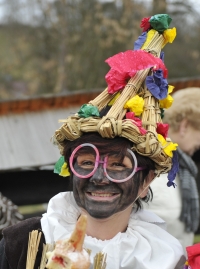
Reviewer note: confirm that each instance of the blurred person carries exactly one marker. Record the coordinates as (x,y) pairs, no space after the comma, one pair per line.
(179,206)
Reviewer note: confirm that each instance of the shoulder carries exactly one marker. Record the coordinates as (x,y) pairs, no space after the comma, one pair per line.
(151,226)
(16,241)
(153,229)
(146,216)
(25,225)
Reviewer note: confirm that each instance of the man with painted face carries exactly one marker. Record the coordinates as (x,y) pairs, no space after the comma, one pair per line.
(111,150)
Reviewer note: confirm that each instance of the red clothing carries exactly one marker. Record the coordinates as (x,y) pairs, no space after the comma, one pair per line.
(194,256)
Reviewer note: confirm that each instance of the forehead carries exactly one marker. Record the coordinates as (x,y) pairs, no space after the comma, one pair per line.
(98,140)
(89,150)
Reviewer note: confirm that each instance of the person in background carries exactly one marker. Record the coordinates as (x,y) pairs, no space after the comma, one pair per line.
(179,206)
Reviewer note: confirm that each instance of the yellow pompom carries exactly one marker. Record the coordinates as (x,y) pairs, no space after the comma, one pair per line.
(170,35)
(168,147)
(135,104)
(170,89)
(168,101)
(64,170)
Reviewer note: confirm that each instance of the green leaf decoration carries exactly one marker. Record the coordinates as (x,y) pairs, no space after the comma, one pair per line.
(58,165)
(160,22)
(88,111)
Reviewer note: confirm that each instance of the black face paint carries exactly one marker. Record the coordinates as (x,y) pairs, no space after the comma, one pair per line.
(100,197)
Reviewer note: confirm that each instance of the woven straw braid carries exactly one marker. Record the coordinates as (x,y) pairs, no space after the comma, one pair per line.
(146,145)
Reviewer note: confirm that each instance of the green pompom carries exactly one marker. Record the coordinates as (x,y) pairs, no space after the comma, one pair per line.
(160,22)
(88,111)
(58,165)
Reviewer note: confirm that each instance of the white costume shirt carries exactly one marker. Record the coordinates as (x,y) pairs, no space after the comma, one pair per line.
(144,245)
(167,204)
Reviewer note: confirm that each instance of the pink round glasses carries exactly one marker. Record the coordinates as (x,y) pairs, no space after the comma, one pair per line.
(104,163)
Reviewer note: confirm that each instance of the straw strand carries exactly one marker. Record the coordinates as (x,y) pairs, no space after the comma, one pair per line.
(33,243)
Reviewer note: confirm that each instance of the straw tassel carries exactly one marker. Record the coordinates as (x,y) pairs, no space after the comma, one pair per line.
(33,243)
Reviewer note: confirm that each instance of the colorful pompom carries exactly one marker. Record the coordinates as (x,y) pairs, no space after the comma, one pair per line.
(160,22)
(167,102)
(125,65)
(145,24)
(137,121)
(162,128)
(135,104)
(88,111)
(157,84)
(169,35)
(168,147)
(61,167)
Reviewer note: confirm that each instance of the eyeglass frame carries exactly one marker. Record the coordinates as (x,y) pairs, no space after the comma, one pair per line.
(104,162)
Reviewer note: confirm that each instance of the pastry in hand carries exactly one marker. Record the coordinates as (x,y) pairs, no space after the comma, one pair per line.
(69,253)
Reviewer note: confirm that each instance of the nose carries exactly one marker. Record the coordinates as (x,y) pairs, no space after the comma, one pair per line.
(99,176)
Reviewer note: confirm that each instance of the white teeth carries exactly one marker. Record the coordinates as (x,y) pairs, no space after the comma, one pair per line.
(101,194)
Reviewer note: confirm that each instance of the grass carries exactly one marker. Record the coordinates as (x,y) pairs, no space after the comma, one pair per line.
(31,209)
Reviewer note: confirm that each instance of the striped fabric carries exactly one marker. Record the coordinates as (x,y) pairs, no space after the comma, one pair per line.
(190,198)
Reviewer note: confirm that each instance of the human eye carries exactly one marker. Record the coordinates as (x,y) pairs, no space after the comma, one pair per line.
(119,164)
(115,164)
(86,161)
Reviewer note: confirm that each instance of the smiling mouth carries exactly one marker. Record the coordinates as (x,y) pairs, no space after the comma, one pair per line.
(101,195)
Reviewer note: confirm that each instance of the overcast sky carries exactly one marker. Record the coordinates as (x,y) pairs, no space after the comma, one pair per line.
(31,10)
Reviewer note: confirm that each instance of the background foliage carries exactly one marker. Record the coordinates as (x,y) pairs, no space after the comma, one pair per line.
(61,45)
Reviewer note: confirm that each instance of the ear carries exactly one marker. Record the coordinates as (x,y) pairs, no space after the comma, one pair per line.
(150,177)
(145,188)
(183,127)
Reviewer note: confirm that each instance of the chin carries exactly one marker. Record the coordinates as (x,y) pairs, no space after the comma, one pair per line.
(99,214)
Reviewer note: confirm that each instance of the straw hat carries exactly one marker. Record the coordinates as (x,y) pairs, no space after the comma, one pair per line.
(134,108)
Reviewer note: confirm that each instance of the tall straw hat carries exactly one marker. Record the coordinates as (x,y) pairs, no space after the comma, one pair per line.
(133,103)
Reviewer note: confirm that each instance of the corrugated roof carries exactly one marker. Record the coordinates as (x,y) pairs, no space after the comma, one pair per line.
(25,138)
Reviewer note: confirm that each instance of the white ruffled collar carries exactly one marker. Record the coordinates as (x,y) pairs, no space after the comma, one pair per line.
(144,245)
(63,212)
